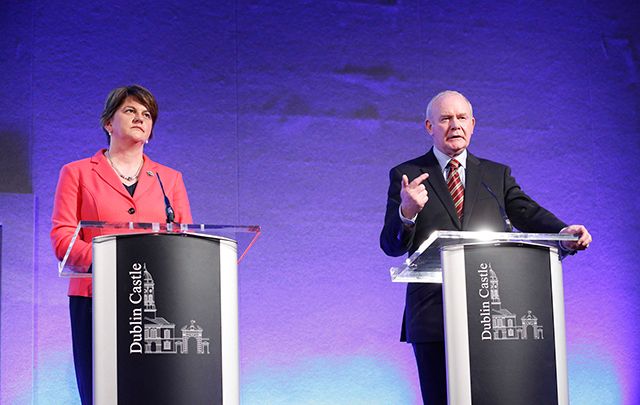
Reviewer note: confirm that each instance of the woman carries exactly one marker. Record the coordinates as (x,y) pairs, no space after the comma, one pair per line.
(118,184)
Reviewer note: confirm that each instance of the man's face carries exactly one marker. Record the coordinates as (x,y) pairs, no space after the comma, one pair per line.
(450,124)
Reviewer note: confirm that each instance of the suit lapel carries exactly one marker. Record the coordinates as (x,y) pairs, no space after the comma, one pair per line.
(145,180)
(473,178)
(436,180)
(103,169)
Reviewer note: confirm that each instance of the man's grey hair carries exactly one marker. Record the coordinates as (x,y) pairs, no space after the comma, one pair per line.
(444,93)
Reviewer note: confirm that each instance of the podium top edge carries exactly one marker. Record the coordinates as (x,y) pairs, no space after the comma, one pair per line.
(439,238)
(106,238)
(170,227)
(501,236)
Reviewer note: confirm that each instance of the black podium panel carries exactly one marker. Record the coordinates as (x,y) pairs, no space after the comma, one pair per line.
(512,353)
(168,320)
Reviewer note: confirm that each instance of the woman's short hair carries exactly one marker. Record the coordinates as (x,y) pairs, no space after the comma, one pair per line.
(119,95)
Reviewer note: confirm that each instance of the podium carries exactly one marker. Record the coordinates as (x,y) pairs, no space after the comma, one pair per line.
(165,310)
(503,313)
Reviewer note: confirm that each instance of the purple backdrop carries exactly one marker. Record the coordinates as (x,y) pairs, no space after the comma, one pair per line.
(289,115)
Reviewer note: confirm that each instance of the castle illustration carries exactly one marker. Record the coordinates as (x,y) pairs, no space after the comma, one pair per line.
(160,334)
(504,322)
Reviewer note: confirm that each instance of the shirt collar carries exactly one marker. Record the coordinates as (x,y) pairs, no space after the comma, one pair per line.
(443,159)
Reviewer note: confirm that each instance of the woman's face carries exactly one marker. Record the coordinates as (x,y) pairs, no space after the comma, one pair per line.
(131,123)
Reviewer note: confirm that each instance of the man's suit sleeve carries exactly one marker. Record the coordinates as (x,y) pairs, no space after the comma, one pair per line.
(395,239)
(524,213)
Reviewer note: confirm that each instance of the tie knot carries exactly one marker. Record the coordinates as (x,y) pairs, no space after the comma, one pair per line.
(454,164)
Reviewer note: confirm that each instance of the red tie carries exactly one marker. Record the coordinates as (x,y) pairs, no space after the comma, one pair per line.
(455,187)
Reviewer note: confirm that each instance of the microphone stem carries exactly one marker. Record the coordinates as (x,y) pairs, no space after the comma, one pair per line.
(503,213)
(167,205)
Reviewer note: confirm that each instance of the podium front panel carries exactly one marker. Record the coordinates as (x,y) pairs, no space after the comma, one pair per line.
(504,324)
(165,319)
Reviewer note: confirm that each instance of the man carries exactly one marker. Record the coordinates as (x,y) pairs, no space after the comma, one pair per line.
(448,188)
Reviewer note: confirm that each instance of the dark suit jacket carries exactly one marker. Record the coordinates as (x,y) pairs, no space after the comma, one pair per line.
(423,320)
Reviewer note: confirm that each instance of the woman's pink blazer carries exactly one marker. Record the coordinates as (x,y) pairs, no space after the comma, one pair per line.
(90,190)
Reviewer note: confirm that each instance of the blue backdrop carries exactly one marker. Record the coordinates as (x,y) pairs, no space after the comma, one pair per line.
(288,114)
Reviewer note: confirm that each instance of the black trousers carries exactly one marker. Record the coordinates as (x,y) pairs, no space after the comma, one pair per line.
(432,372)
(80,309)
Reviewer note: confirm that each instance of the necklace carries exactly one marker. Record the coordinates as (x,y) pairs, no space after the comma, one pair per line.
(127,178)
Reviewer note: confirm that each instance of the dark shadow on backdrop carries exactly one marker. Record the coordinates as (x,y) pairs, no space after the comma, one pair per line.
(15,166)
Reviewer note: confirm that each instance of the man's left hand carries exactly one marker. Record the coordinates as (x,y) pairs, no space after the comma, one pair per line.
(577,230)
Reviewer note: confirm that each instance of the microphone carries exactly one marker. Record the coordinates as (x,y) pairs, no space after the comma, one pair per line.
(167,205)
(505,219)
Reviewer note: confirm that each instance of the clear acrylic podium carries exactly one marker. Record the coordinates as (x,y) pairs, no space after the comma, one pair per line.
(244,236)
(503,313)
(165,309)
